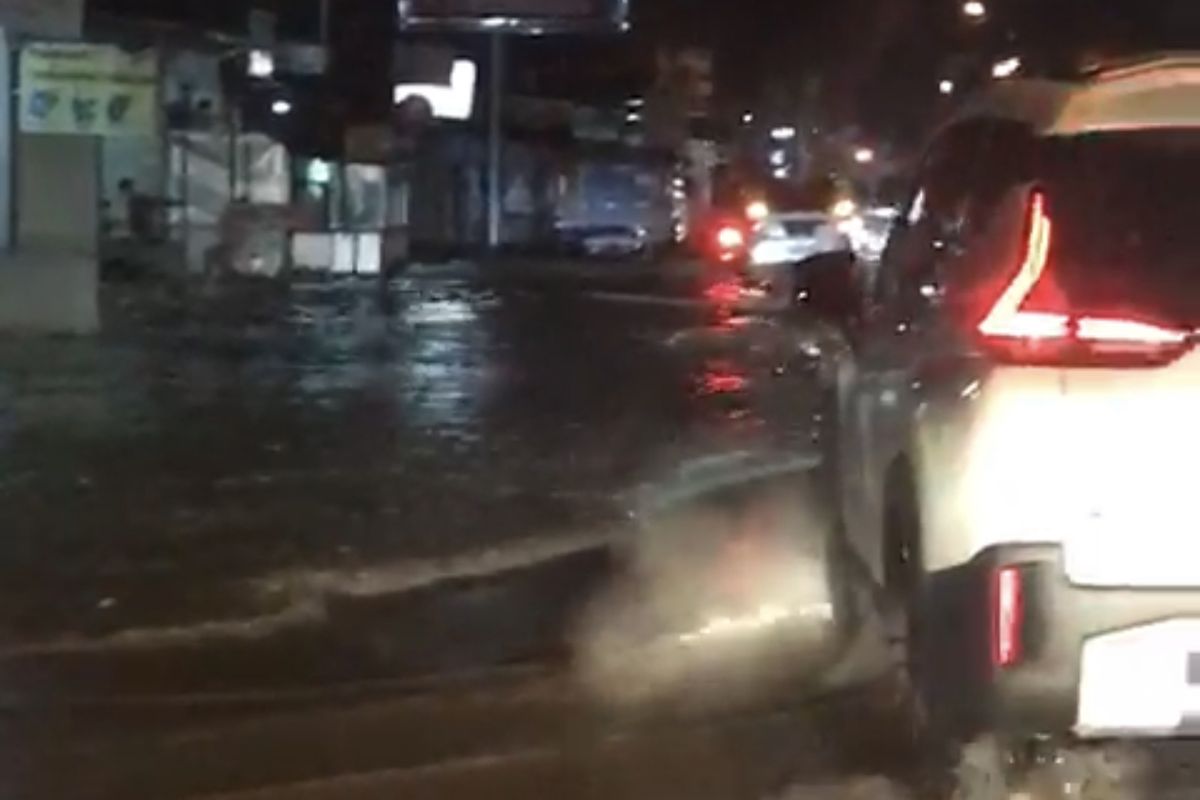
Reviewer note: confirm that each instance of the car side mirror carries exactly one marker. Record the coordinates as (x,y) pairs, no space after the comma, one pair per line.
(830,286)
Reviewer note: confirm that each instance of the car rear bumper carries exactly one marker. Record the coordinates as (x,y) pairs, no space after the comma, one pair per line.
(1094,661)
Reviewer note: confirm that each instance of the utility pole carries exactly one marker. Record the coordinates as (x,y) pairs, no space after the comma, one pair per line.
(324,32)
(495,199)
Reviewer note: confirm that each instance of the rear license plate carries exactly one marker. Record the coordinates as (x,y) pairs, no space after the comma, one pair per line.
(1164,701)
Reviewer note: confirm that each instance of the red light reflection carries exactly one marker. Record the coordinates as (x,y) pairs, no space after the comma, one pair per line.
(722,378)
(728,323)
(726,292)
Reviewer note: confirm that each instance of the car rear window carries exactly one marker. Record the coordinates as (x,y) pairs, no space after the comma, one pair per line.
(1127,220)
(806,227)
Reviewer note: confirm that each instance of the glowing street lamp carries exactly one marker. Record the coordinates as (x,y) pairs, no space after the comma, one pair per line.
(974,9)
(1006,68)
(260,64)
(864,155)
(757,210)
(946,86)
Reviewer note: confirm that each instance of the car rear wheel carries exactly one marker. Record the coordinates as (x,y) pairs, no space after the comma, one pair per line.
(921,719)
(847,578)
(903,585)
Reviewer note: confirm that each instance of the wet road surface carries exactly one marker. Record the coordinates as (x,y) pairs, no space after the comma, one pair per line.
(524,735)
(228,458)
(233,502)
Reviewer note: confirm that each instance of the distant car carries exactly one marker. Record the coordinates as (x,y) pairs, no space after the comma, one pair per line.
(782,243)
(615,241)
(782,238)
(604,241)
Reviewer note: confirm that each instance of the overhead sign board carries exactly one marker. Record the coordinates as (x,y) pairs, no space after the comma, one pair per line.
(55,19)
(529,17)
(454,100)
(88,89)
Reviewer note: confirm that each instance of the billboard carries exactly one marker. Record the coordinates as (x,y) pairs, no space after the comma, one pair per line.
(454,100)
(531,17)
(88,89)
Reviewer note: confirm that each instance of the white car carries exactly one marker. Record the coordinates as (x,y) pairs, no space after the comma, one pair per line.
(1014,426)
(785,238)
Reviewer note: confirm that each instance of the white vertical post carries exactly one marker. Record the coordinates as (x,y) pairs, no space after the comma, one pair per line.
(495,198)
(8,90)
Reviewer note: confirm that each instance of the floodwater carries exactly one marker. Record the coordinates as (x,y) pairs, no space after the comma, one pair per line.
(220,458)
(263,535)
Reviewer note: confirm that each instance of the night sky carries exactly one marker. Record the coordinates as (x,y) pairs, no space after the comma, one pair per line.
(873,63)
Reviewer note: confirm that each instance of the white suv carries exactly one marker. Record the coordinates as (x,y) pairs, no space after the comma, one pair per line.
(1017,432)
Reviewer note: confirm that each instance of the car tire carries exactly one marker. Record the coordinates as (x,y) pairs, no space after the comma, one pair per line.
(845,574)
(949,767)
(923,723)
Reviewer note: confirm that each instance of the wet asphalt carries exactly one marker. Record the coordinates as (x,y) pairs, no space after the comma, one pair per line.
(261,535)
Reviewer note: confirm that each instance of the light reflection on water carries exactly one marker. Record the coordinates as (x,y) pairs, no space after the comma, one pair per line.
(212,445)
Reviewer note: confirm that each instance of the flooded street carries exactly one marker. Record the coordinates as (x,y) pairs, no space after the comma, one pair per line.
(251,520)
(208,460)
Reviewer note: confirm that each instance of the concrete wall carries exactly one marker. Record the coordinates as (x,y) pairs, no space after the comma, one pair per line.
(50,282)
(58,193)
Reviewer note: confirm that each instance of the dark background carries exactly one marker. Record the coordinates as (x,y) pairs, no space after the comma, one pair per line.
(873,64)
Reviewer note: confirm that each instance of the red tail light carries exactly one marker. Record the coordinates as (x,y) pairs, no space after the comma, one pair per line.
(730,238)
(730,243)
(1008,616)
(1054,336)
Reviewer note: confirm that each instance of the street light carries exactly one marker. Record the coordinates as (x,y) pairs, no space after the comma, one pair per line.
(260,64)
(757,210)
(946,86)
(747,118)
(1006,68)
(281,107)
(845,208)
(864,155)
(974,9)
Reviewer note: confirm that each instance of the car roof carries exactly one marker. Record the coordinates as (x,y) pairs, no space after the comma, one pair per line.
(1157,91)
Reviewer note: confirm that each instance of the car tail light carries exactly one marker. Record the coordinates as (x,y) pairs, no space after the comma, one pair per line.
(1008,616)
(730,238)
(1015,332)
